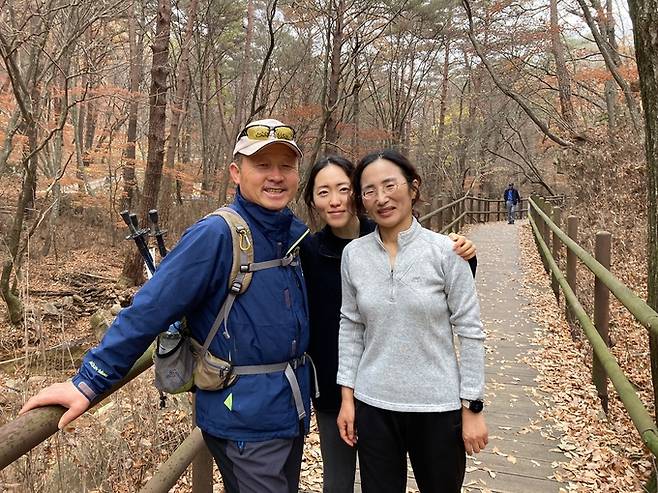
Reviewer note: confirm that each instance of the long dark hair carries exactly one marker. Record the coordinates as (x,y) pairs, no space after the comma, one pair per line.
(408,171)
(346,165)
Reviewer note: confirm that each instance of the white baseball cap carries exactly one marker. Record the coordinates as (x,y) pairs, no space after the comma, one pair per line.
(246,146)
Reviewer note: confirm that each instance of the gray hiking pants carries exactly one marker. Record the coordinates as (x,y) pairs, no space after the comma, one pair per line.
(270,466)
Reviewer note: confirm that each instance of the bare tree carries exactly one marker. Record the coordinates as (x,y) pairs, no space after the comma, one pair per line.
(132,269)
(506,90)
(135,42)
(563,77)
(611,58)
(178,107)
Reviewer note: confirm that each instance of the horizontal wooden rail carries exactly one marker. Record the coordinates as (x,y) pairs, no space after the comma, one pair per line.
(446,229)
(28,430)
(168,472)
(636,305)
(441,209)
(634,406)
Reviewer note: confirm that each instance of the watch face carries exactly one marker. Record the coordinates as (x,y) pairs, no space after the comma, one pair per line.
(476,406)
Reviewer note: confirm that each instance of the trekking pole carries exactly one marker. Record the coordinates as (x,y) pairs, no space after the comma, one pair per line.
(158,233)
(144,233)
(137,235)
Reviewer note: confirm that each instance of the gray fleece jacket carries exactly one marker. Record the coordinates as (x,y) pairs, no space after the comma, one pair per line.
(395,345)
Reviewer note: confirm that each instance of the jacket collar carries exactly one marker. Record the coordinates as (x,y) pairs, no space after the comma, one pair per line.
(278,225)
(404,237)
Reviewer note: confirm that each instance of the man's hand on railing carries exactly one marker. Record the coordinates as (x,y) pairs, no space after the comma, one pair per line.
(63,394)
(463,247)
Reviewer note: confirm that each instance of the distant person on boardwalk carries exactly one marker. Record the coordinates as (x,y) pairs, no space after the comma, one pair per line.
(405,295)
(254,427)
(328,196)
(512,198)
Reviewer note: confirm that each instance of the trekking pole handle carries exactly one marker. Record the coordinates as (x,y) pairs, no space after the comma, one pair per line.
(125,215)
(138,237)
(157,232)
(133,219)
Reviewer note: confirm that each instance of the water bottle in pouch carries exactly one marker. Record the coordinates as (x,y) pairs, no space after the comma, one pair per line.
(169,340)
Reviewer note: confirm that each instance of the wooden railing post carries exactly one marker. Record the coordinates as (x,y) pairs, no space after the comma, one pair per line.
(449,213)
(470,218)
(557,245)
(500,210)
(519,214)
(201,465)
(602,314)
(440,216)
(461,206)
(488,216)
(572,232)
(436,203)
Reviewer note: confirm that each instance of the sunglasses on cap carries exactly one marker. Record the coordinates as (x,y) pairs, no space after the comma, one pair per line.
(263,132)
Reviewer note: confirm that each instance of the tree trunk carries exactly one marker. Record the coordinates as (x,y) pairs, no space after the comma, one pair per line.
(178,107)
(245,68)
(157,115)
(206,136)
(128,171)
(563,77)
(90,132)
(7,145)
(9,295)
(356,109)
(60,106)
(331,136)
(644,15)
(443,101)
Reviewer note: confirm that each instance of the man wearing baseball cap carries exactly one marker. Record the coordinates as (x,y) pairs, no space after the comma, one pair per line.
(255,427)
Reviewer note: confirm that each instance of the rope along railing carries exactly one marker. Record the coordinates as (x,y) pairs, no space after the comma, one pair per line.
(21,435)
(631,402)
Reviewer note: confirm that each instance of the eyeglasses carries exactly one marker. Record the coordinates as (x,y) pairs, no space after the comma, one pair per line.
(387,189)
(263,132)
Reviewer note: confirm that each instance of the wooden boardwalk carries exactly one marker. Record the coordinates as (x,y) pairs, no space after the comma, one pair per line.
(521,451)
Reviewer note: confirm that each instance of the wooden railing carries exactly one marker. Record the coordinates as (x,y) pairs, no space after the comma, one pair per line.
(450,215)
(545,219)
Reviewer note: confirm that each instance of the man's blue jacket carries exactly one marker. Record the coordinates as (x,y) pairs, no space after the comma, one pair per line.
(268,324)
(511,194)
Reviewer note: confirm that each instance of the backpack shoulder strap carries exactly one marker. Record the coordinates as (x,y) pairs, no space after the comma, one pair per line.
(239,278)
(243,266)
(243,248)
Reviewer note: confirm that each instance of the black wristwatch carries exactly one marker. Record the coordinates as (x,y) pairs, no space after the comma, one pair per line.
(473,406)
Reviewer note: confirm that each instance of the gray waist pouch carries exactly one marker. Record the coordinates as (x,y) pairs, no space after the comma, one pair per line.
(174,369)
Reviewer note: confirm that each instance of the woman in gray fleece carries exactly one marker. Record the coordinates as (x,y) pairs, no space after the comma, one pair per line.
(405,294)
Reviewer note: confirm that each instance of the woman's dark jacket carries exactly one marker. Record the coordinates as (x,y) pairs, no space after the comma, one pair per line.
(320,256)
